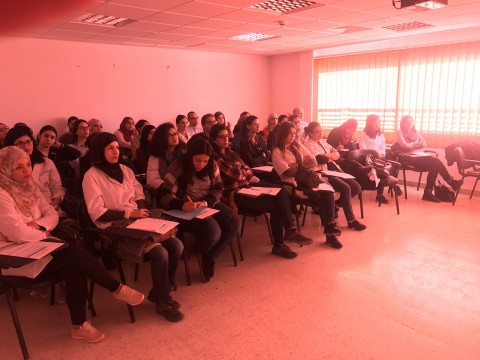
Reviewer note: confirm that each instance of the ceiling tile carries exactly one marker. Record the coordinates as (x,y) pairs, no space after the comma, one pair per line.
(158,5)
(187,30)
(122,11)
(129,32)
(88,28)
(202,9)
(174,19)
(215,24)
(248,16)
(148,26)
(166,36)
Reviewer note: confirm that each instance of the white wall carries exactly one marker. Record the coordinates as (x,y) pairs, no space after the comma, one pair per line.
(46,81)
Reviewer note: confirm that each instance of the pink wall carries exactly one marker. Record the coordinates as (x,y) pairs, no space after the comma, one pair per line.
(45,81)
(291,83)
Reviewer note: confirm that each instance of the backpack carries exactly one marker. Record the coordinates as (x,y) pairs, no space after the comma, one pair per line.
(444,193)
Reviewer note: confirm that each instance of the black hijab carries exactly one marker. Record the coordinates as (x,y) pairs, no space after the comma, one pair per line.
(98,144)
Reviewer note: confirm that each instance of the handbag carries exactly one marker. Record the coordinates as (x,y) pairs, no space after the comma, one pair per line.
(307,178)
(444,193)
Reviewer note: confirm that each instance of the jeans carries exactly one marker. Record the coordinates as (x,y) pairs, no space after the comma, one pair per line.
(347,188)
(278,206)
(164,261)
(325,202)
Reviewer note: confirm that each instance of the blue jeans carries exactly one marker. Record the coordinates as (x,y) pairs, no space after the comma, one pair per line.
(164,260)
(347,188)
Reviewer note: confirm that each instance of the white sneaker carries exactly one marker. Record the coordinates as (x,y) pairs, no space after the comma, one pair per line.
(87,332)
(128,295)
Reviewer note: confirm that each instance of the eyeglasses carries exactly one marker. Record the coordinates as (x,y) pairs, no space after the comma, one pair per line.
(223,137)
(23,143)
(173,134)
(83,128)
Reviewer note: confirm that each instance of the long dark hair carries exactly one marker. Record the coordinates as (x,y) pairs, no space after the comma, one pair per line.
(371,119)
(144,143)
(46,128)
(198,146)
(229,156)
(159,143)
(248,121)
(75,129)
(21,130)
(282,134)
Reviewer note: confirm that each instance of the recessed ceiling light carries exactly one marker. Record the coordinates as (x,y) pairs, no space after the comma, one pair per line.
(104,20)
(252,37)
(286,6)
(413,25)
(420,4)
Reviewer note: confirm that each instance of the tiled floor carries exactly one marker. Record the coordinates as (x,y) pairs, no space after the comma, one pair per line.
(406,288)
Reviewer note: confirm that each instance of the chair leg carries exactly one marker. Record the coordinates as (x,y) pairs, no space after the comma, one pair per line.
(123,281)
(135,276)
(187,269)
(458,191)
(360,198)
(52,295)
(16,322)
(304,215)
(405,183)
(419,181)
(269,228)
(396,201)
(243,225)
(234,255)
(474,186)
(240,250)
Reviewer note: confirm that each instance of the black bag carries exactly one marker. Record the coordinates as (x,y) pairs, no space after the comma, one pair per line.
(444,193)
(307,178)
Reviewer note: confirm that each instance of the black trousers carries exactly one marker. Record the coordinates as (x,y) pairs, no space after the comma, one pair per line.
(74,265)
(433,166)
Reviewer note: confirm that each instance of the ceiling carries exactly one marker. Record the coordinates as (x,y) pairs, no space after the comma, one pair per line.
(209,25)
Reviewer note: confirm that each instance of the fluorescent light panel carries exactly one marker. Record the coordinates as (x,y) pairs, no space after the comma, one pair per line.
(105,20)
(431,5)
(285,6)
(252,37)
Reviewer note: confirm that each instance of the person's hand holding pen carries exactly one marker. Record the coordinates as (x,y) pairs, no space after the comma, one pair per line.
(190,205)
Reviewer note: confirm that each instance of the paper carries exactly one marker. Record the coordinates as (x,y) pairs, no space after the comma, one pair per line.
(419,153)
(30,250)
(324,187)
(158,226)
(255,191)
(200,213)
(263,168)
(337,174)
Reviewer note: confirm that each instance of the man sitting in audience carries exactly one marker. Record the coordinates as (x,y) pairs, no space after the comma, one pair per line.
(301,113)
(67,138)
(193,126)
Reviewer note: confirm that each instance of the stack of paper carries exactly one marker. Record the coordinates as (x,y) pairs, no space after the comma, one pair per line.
(158,226)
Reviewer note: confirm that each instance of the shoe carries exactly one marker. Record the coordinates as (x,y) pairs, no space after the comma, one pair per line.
(152,297)
(455,184)
(382,199)
(284,251)
(398,190)
(87,332)
(428,196)
(333,242)
(356,225)
(208,267)
(169,312)
(128,295)
(332,229)
(296,237)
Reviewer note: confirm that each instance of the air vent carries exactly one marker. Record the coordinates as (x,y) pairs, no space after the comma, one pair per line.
(286,6)
(253,37)
(104,20)
(414,25)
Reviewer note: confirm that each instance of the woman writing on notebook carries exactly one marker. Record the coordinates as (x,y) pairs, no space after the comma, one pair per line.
(236,174)
(28,217)
(193,181)
(112,193)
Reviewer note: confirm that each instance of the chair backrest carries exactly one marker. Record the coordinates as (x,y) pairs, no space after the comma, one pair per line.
(358,155)
(459,158)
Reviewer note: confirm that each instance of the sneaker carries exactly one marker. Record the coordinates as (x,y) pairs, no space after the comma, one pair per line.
(356,225)
(428,196)
(333,242)
(169,312)
(332,229)
(398,190)
(381,199)
(152,297)
(296,237)
(208,267)
(88,333)
(284,251)
(128,295)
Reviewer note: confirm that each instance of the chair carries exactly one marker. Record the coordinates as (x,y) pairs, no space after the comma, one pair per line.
(297,203)
(91,235)
(357,155)
(463,166)
(255,215)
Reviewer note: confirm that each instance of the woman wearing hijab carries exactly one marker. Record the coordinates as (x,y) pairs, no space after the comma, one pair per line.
(125,133)
(112,193)
(408,139)
(45,173)
(341,137)
(28,217)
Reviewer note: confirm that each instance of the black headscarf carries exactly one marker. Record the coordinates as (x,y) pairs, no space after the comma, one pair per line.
(98,144)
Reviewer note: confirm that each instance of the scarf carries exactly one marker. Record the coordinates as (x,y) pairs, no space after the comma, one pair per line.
(26,196)
(127,134)
(97,156)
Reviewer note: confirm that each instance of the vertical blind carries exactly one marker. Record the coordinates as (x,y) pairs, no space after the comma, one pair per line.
(438,86)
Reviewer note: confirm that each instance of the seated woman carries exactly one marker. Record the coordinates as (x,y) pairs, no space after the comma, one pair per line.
(236,174)
(220,118)
(143,151)
(341,137)
(48,145)
(112,193)
(165,149)
(44,174)
(27,217)
(193,181)
(408,139)
(3,132)
(182,123)
(253,149)
(271,123)
(288,155)
(324,154)
(124,135)
(372,138)
(135,140)
(81,132)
